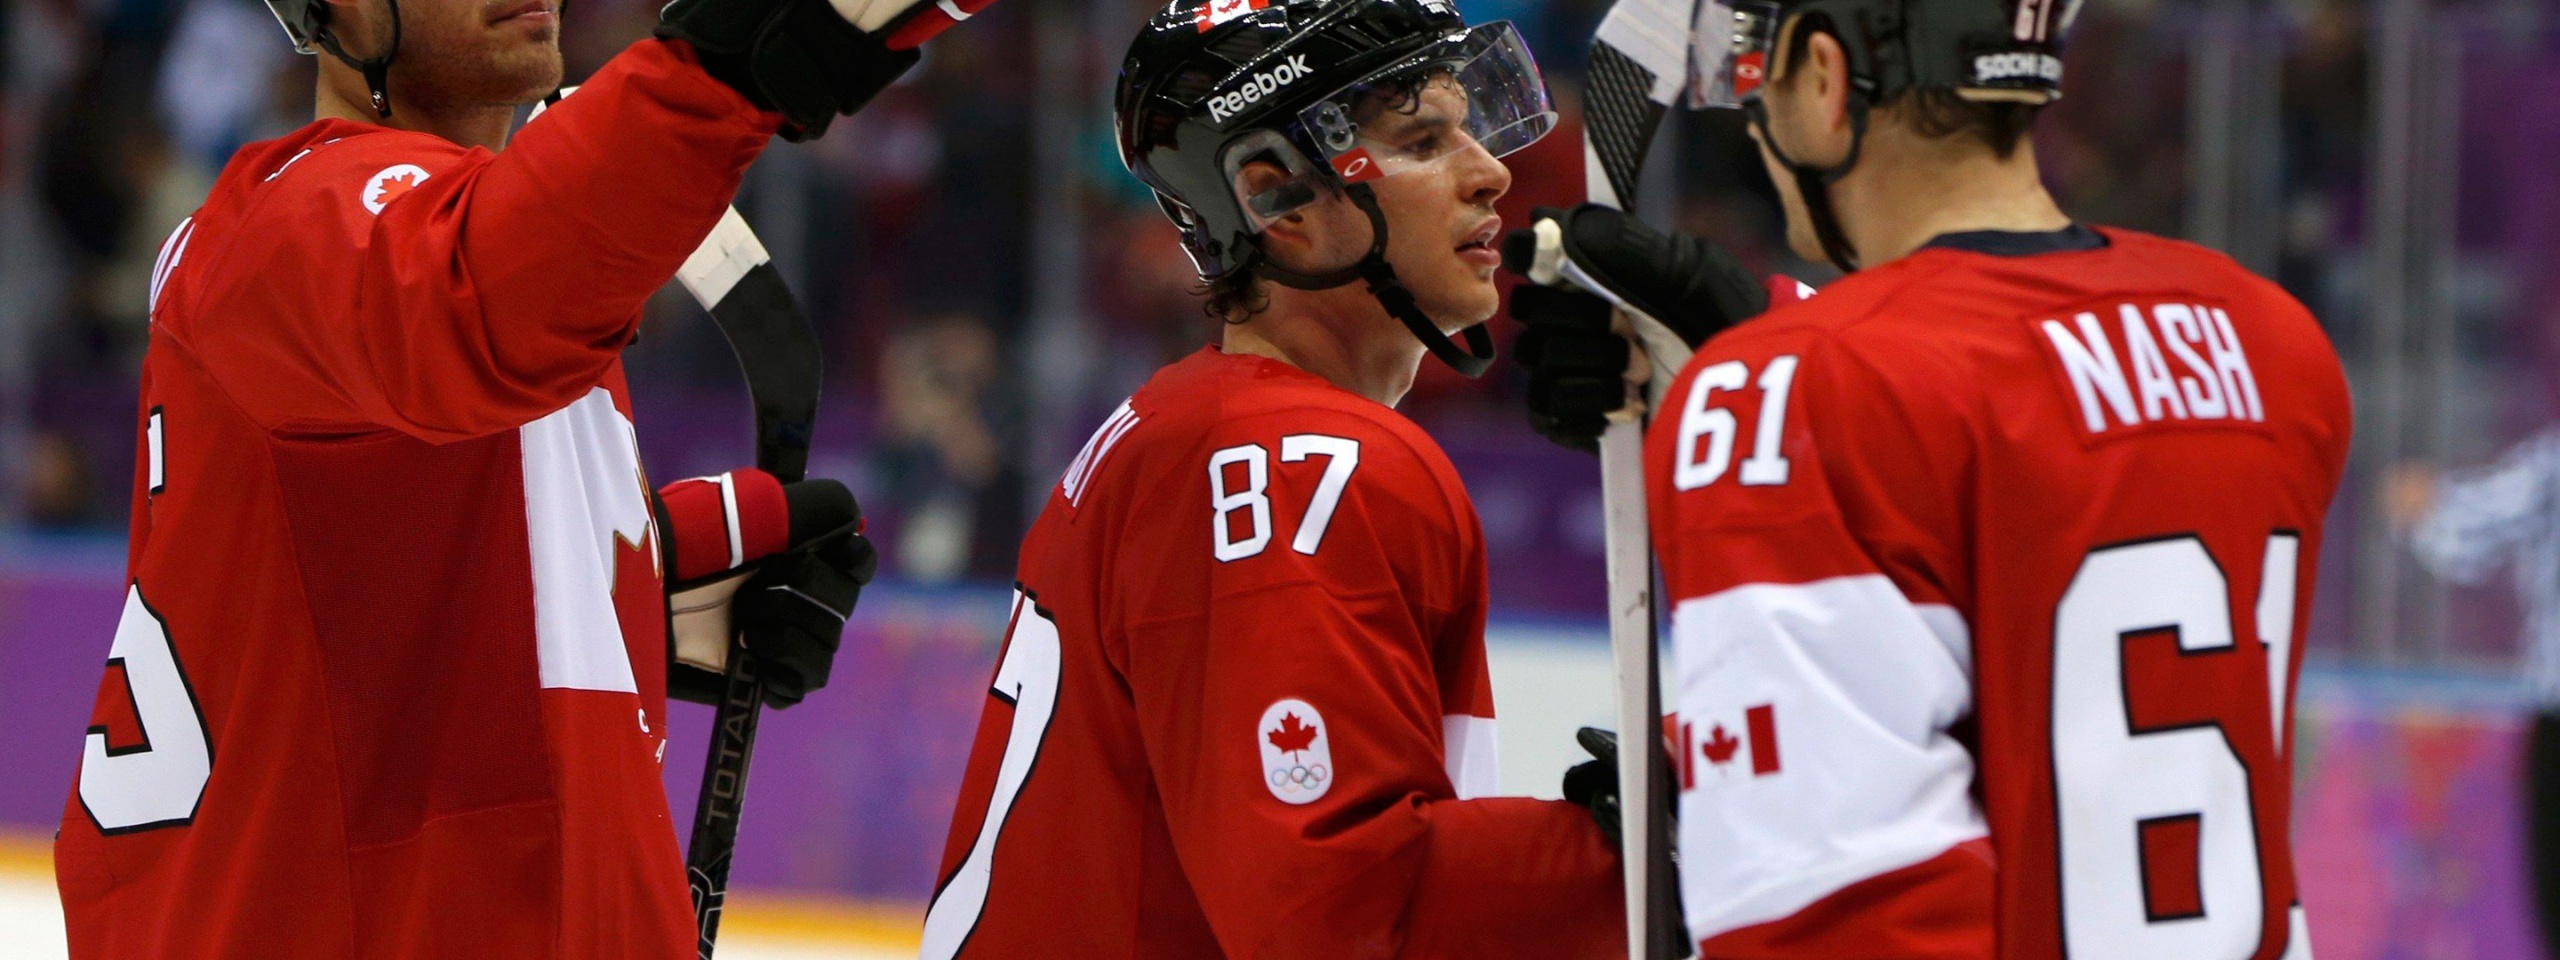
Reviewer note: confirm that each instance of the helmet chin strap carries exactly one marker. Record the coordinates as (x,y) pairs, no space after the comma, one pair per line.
(1814,183)
(376,70)
(1390,293)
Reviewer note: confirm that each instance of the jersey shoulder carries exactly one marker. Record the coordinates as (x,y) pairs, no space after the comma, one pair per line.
(1862,336)
(1213,401)
(1224,475)
(1945,315)
(319,188)
(365,167)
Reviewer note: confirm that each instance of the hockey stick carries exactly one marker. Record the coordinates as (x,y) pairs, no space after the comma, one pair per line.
(1639,66)
(734,279)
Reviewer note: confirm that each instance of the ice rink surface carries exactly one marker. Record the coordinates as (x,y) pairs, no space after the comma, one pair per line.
(31,925)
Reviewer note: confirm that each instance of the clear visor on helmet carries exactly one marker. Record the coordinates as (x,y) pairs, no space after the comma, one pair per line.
(1474,90)
(1730,51)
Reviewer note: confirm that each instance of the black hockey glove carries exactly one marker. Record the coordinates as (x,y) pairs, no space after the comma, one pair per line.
(793,613)
(781,563)
(1593,784)
(809,60)
(1577,364)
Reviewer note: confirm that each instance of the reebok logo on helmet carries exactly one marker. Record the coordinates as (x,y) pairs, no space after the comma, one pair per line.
(1258,86)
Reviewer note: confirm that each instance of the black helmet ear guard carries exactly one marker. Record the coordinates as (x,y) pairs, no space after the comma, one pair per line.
(306,24)
(1986,51)
(1212,88)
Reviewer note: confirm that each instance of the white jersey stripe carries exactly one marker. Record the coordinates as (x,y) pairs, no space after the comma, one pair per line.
(1857,682)
(171,251)
(1469,751)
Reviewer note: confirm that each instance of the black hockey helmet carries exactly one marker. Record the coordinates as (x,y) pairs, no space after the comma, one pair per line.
(1212,85)
(306,22)
(1990,51)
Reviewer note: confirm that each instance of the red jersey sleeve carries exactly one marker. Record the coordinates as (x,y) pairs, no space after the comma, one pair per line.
(1826,809)
(1294,714)
(396,279)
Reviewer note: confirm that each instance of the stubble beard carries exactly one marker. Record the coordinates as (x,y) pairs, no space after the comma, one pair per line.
(445,73)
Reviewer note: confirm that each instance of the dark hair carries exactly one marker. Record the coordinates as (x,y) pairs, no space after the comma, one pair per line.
(1234,298)
(1933,112)
(1937,112)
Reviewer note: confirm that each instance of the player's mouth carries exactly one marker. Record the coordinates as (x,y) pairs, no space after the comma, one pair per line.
(527,12)
(1479,249)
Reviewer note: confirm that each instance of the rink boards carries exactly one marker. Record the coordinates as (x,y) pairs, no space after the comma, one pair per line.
(2406,815)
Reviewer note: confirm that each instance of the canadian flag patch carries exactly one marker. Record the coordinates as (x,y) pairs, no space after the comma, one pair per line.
(1216,12)
(391,184)
(1297,752)
(1727,749)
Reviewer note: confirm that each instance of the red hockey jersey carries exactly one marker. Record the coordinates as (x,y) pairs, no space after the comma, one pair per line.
(1989,570)
(1242,707)
(390,678)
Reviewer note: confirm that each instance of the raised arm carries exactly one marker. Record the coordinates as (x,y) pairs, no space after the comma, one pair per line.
(396,279)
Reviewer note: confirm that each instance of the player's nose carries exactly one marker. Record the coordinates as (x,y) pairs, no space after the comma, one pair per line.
(1482,177)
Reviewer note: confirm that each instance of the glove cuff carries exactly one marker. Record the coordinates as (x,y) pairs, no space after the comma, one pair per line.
(720,523)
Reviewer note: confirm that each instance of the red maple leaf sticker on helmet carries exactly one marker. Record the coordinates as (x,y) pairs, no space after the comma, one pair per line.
(1293,736)
(1216,12)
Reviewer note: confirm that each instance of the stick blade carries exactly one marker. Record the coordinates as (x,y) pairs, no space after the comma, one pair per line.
(1639,67)
(734,279)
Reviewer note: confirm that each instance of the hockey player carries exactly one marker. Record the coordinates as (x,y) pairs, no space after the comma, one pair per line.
(390,677)
(1242,708)
(1988,565)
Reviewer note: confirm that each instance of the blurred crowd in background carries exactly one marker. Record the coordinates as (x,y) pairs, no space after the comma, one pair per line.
(990,281)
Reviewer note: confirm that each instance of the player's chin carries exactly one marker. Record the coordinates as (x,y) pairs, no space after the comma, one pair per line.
(1468,298)
(531,67)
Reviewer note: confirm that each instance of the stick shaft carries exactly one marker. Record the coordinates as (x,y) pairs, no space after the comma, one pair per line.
(1638,671)
(1638,66)
(734,279)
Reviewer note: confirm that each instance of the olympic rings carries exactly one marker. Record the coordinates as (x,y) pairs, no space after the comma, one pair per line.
(1298,777)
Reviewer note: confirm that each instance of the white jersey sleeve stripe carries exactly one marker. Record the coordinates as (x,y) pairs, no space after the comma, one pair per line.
(1471,755)
(1860,685)
(172,250)
(1947,624)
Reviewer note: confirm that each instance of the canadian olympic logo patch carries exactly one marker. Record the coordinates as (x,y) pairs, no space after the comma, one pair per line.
(390,184)
(1297,752)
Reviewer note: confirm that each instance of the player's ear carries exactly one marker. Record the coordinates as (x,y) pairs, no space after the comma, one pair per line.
(361,25)
(1308,225)
(1808,99)
(1827,82)
(1281,203)
(1273,195)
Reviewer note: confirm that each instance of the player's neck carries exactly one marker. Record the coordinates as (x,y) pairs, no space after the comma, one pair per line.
(1907,191)
(1341,335)
(344,96)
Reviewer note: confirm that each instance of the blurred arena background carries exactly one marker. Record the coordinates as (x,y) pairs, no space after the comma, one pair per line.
(990,283)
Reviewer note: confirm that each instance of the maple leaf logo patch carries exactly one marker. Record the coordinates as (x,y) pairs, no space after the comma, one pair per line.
(1297,751)
(1722,746)
(391,184)
(1719,746)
